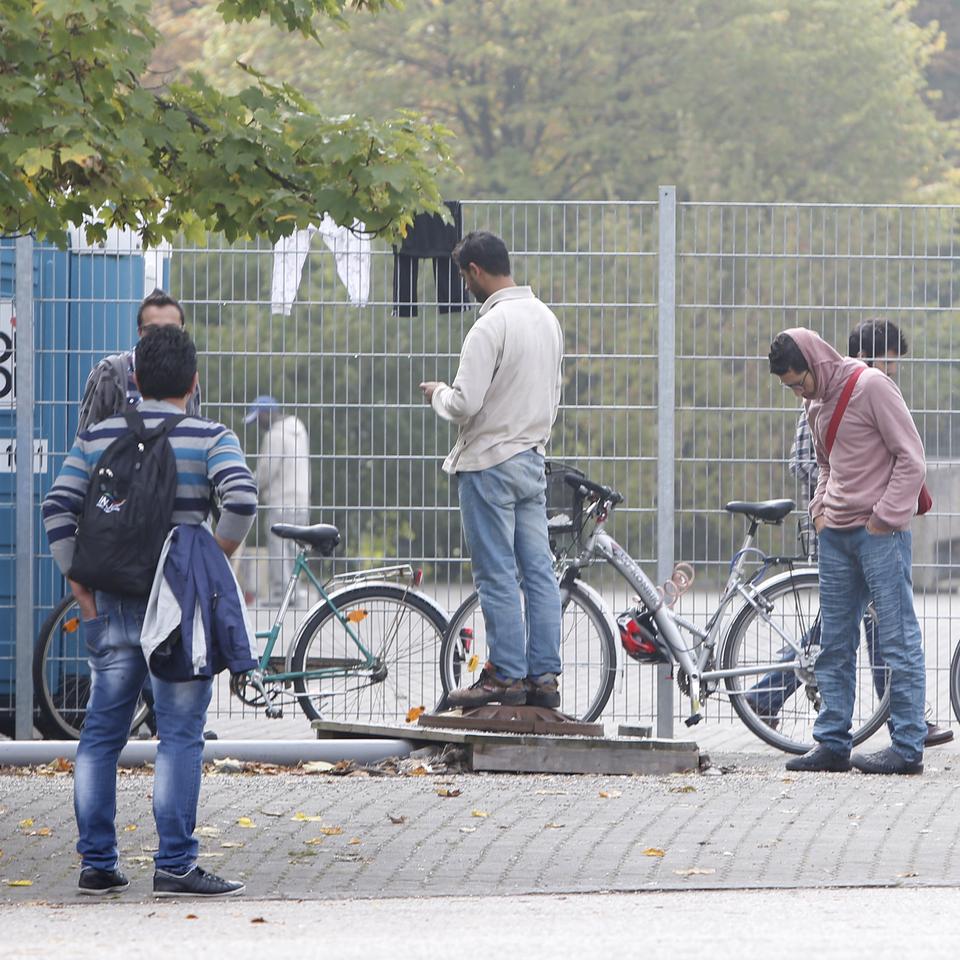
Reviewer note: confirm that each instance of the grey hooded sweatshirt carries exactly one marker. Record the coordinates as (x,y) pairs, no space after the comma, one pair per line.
(876,467)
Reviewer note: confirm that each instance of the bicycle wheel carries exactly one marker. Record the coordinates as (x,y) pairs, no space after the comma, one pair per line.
(61,676)
(779,707)
(955,682)
(402,629)
(587,651)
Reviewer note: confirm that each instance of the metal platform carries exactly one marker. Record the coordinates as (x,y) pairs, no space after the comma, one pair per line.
(537,753)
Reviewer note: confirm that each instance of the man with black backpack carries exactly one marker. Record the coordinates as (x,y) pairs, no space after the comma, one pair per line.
(125,484)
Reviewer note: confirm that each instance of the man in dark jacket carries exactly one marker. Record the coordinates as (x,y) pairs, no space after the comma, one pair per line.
(208,455)
(111,385)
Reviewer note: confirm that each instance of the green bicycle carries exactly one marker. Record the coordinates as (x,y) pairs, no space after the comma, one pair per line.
(367,651)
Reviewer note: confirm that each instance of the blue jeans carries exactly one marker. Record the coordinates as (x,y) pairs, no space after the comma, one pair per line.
(504,515)
(117,674)
(855,566)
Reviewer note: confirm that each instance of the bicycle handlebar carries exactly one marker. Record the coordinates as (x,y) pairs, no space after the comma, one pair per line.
(607,494)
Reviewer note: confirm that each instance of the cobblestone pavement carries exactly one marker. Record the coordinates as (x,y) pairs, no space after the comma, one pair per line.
(751,826)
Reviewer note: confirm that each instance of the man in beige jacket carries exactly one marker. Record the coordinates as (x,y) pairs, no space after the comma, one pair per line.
(504,399)
(283,479)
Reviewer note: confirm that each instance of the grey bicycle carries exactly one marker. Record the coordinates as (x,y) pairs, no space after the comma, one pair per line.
(758,647)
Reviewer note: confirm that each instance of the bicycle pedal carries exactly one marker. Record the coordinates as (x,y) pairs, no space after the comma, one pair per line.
(273,712)
(693,719)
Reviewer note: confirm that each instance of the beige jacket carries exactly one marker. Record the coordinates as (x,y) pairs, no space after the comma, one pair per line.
(506,392)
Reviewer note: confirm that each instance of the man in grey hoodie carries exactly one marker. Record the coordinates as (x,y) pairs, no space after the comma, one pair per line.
(866,495)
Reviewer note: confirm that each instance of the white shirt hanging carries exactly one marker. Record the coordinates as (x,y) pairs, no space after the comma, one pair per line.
(351,249)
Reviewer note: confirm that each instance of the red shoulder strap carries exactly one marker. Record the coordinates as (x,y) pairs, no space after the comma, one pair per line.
(841,407)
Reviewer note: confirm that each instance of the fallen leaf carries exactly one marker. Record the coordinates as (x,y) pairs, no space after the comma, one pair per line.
(695,872)
(313,841)
(684,789)
(258,920)
(414,714)
(354,841)
(228,765)
(911,874)
(245,822)
(26,824)
(654,852)
(230,844)
(129,828)
(300,817)
(418,771)
(394,819)
(473,663)
(479,813)
(468,829)
(207,832)
(42,832)
(317,766)
(331,831)
(191,916)
(445,792)
(555,826)
(19,883)
(611,794)
(272,813)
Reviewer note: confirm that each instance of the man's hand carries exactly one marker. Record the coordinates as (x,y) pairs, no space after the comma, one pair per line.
(819,523)
(229,547)
(877,527)
(428,387)
(85,598)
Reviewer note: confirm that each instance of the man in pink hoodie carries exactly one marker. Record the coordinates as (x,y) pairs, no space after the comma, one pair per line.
(865,498)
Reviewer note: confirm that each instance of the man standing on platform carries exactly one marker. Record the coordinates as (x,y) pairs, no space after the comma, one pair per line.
(504,399)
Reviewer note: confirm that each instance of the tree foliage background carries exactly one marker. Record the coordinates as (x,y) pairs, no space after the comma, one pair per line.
(90,134)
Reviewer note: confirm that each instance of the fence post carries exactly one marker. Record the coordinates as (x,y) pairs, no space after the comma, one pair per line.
(23,372)
(666,450)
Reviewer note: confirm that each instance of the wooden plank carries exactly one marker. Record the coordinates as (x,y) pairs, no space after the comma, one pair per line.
(570,756)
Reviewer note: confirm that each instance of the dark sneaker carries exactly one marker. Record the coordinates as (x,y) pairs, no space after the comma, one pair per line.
(937,736)
(820,759)
(194,883)
(543,690)
(95,883)
(887,762)
(489,689)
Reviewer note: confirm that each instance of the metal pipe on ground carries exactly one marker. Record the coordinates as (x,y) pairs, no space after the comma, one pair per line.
(19,753)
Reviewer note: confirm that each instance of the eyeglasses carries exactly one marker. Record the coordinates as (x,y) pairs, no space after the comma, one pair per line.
(797,384)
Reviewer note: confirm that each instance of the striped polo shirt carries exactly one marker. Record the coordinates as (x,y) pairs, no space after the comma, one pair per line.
(208,458)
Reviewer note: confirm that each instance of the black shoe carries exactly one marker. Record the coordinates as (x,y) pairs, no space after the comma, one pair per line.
(489,689)
(886,761)
(937,736)
(194,883)
(543,690)
(96,883)
(820,759)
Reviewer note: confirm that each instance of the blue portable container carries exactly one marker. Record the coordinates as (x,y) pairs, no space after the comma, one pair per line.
(84,307)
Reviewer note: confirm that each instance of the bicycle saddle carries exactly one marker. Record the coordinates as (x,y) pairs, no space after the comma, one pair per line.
(323,537)
(771,511)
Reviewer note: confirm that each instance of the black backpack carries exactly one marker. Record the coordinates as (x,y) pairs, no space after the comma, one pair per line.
(127,510)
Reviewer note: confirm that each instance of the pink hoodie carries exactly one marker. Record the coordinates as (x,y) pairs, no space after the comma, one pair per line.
(877,464)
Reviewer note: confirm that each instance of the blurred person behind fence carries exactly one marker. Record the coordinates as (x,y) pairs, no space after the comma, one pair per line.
(283,479)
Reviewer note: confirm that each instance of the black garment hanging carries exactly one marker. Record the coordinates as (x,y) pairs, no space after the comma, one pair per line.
(429,237)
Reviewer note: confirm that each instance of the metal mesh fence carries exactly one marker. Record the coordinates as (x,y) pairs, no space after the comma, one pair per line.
(341,355)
